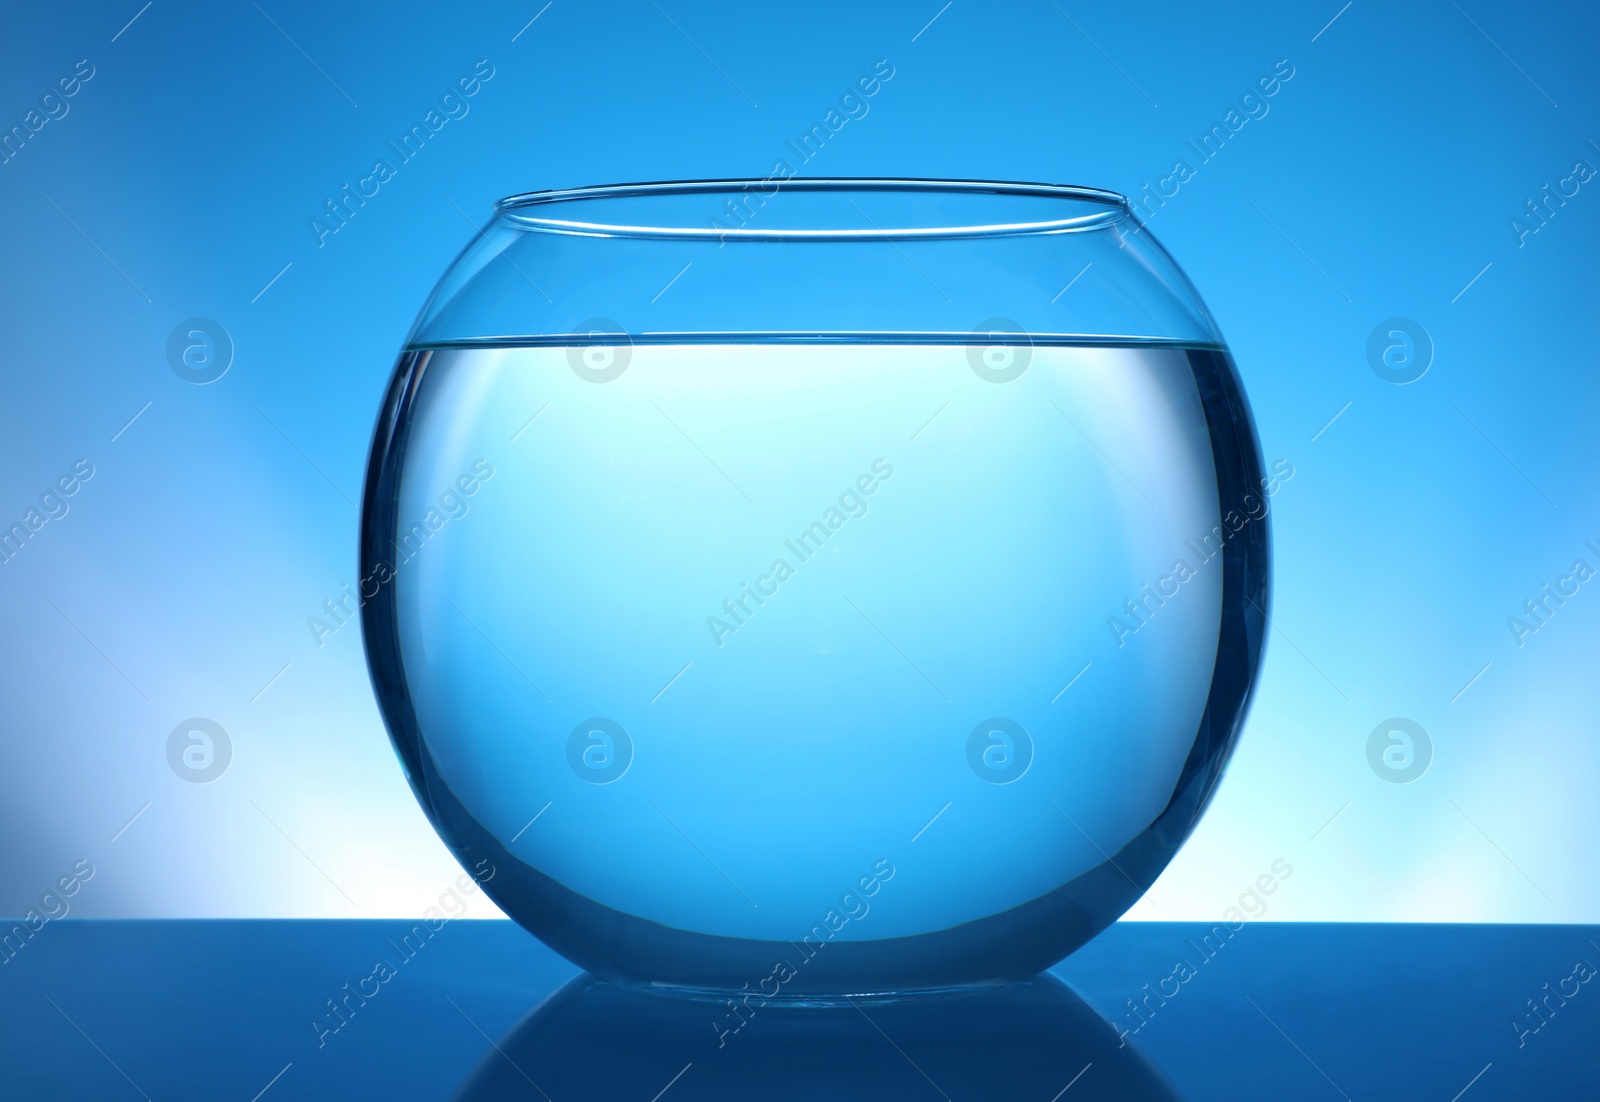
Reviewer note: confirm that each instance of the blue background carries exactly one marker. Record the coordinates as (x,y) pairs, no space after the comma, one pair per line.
(1380,184)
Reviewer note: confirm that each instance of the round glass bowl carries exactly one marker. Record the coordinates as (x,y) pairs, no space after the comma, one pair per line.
(815,587)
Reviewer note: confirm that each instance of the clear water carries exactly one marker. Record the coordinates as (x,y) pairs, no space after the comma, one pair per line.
(843,657)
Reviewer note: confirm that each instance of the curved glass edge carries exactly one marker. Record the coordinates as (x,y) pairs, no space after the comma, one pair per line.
(998,947)
(1076,340)
(1107,282)
(1115,206)
(957,233)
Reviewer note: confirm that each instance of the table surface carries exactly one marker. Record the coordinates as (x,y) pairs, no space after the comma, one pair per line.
(245,1010)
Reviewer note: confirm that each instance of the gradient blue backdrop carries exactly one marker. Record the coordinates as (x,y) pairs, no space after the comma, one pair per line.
(1384,178)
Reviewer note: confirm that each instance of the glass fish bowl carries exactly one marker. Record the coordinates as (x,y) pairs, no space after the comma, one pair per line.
(797,588)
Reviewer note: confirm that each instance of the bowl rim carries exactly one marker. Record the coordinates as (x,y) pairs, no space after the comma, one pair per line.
(1107,208)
